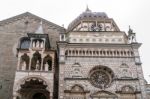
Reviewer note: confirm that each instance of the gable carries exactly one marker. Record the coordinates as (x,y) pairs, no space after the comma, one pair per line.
(29,23)
(103,94)
(27,16)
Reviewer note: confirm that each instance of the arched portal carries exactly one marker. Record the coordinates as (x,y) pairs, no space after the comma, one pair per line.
(38,96)
(33,88)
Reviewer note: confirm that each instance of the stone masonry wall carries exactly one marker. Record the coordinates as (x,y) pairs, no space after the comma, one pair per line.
(11,30)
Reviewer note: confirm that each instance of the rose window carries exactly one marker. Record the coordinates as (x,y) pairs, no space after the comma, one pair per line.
(101,77)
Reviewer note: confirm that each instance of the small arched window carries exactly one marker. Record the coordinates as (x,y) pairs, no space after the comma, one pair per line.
(24,43)
(36,61)
(47,63)
(24,63)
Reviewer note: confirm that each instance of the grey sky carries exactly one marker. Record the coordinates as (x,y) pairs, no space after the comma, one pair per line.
(125,12)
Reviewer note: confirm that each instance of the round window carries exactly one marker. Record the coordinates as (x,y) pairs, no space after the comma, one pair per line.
(101,77)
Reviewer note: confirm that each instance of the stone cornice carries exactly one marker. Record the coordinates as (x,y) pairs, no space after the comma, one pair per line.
(126,79)
(101,45)
(76,78)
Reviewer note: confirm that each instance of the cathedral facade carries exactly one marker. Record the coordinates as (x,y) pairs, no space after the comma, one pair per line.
(91,59)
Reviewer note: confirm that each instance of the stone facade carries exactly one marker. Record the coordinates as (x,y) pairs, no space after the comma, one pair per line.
(91,59)
(11,31)
(99,60)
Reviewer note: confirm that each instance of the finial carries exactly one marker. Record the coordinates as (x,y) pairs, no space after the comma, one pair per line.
(40,29)
(130,30)
(87,9)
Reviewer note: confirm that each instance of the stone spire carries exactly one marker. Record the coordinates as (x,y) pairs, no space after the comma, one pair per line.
(40,29)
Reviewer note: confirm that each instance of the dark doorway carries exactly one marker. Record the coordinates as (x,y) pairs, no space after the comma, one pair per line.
(39,96)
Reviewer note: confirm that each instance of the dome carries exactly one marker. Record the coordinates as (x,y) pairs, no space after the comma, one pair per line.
(87,15)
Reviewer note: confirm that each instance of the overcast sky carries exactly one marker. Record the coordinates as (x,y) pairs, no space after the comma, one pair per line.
(125,12)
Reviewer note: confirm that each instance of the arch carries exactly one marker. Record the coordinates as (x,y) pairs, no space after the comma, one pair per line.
(132,54)
(80,52)
(83,52)
(29,85)
(39,96)
(118,53)
(73,52)
(69,52)
(115,53)
(38,43)
(25,42)
(107,52)
(121,53)
(97,53)
(47,63)
(87,52)
(76,65)
(90,52)
(111,53)
(24,63)
(125,53)
(104,53)
(101,52)
(105,68)
(124,65)
(66,52)
(94,52)
(128,52)
(22,81)
(76,52)
(36,61)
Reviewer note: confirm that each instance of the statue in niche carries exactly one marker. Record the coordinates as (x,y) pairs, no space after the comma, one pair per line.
(37,65)
(33,44)
(46,66)
(37,44)
(41,44)
(36,61)
(23,67)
